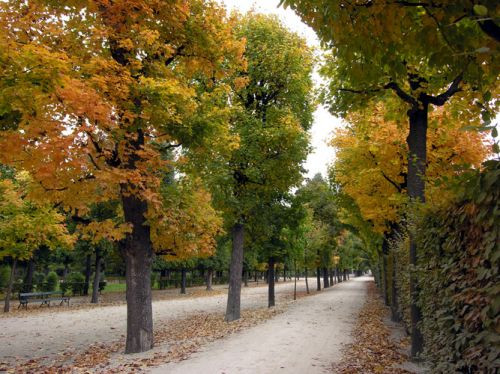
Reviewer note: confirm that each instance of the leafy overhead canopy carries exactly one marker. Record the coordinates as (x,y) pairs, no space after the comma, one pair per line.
(417,50)
(273,113)
(371,163)
(91,91)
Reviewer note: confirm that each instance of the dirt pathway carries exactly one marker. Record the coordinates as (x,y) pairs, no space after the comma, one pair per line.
(50,332)
(306,338)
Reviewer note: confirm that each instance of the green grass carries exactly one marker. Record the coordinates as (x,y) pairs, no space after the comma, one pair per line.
(114,287)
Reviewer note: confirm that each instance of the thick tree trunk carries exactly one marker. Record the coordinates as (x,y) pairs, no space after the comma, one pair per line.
(183,281)
(236,267)
(138,254)
(345,274)
(270,297)
(88,272)
(326,283)
(307,282)
(210,274)
(8,292)
(28,280)
(330,272)
(97,277)
(318,279)
(417,158)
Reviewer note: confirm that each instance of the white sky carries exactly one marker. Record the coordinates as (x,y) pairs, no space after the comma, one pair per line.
(324,122)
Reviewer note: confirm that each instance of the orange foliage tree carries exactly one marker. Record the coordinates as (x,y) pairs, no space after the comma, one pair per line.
(92,91)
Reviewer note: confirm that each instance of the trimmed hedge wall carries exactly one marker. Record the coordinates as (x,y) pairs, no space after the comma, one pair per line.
(459,278)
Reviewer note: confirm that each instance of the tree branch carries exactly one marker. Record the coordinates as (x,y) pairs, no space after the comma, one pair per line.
(401,93)
(441,99)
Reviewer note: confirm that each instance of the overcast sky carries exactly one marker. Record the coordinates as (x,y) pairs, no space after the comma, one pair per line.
(324,122)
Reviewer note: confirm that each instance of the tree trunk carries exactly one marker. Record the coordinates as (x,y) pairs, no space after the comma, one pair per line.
(318,279)
(270,298)
(295,282)
(394,301)
(255,277)
(236,267)
(138,254)
(307,283)
(97,277)
(8,292)
(88,271)
(183,281)
(245,278)
(417,158)
(210,274)
(330,272)
(28,280)
(276,276)
(345,274)
(326,284)
(385,251)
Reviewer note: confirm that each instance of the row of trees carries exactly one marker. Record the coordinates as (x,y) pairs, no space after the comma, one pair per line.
(159,130)
(407,76)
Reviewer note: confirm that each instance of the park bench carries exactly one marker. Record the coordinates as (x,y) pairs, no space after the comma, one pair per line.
(44,298)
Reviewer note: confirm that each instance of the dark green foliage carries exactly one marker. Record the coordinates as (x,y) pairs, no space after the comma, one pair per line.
(38,280)
(4,276)
(51,282)
(459,265)
(74,282)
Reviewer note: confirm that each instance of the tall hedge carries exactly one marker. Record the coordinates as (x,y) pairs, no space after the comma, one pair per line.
(459,269)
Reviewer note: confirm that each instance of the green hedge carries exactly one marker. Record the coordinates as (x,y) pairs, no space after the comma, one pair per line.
(459,262)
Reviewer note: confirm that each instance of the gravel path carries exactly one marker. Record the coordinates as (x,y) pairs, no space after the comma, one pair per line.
(44,334)
(306,338)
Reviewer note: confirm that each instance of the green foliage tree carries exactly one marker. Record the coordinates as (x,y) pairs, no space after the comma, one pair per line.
(26,225)
(271,116)
(424,53)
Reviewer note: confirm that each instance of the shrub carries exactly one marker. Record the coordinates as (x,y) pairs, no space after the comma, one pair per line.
(51,282)
(4,276)
(38,280)
(76,282)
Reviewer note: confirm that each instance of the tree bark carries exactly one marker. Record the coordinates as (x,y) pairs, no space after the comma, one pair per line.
(88,271)
(295,281)
(307,283)
(337,272)
(8,293)
(28,280)
(318,279)
(245,278)
(97,276)
(345,274)
(236,267)
(385,280)
(330,273)
(394,301)
(270,298)
(210,274)
(326,283)
(138,254)
(183,281)
(417,159)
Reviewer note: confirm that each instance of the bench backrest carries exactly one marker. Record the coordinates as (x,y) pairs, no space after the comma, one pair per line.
(42,295)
